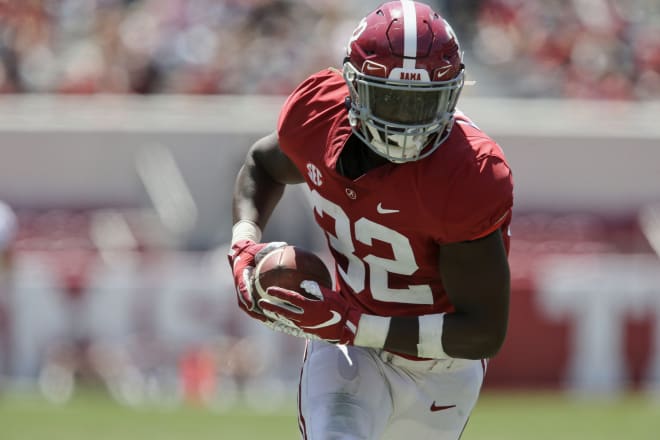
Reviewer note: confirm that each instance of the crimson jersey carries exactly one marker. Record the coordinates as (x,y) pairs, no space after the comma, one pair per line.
(384,227)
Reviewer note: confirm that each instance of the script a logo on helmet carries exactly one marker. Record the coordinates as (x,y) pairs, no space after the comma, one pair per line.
(361,27)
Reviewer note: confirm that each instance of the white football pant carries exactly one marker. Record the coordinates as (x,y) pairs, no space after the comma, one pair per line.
(351,393)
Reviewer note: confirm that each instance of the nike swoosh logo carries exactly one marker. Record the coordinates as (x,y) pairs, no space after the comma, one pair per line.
(435,407)
(442,72)
(373,67)
(336,317)
(382,210)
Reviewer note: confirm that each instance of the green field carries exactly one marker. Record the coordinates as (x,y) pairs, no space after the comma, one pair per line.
(497,417)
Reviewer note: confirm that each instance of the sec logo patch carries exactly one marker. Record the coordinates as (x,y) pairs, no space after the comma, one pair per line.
(314,174)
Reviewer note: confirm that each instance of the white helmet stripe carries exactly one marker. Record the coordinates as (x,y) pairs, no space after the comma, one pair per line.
(410,34)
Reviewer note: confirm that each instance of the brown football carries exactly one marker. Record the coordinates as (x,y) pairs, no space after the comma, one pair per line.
(288,267)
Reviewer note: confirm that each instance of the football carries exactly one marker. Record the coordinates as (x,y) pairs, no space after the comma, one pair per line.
(288,267)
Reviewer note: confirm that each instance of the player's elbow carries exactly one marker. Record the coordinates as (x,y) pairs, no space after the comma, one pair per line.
(483,345)
(492,342)
(474,335)
(486,341)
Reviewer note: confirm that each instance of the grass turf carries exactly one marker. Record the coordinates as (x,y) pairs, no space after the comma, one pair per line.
(498,416)
(558,416)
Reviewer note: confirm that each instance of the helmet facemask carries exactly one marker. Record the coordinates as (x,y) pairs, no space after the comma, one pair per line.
(401,120)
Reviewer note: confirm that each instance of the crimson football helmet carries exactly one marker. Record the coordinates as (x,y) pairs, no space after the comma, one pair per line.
(404,70)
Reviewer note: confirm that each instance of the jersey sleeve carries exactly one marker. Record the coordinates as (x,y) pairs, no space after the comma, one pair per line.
(307,108)
(292,112)
(480,199)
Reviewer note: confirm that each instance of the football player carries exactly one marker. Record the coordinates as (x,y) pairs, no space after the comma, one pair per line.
(415,202)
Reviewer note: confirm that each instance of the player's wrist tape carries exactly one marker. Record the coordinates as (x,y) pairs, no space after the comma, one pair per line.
(245,230)
(430,336)
(372,331)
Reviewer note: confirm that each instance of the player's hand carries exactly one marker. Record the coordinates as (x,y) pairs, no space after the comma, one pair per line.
(243,258)
(324,314)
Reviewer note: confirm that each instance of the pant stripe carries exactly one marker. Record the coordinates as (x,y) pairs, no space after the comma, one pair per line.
(301,419)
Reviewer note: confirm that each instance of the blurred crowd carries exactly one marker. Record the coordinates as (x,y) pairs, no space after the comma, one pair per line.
(587,49)
(166,46)
(555,48)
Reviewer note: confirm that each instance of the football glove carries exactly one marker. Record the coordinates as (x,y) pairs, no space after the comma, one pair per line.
(323,315)
(243,258)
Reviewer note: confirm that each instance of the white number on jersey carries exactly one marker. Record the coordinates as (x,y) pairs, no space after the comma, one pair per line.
(365,231)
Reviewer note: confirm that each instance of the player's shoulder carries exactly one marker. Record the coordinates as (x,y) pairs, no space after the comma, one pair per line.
(329,78)
(471,142)
(470,154)
(473,182)
(320,93)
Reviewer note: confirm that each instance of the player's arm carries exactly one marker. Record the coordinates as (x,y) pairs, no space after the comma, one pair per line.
(258,188)
(477,280)
(261,180)
(476,277)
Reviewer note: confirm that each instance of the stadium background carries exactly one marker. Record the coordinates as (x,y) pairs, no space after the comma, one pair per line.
(123,123)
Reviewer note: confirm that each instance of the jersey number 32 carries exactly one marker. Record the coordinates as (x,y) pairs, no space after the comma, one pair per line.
(365,231)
